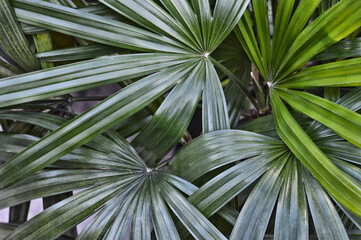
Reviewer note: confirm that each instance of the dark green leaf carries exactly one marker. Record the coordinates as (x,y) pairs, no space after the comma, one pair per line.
(215,149)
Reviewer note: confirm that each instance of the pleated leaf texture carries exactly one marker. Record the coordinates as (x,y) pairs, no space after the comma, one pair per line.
(272,87)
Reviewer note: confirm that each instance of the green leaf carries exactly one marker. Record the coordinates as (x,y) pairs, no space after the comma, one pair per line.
(14,44)
(97,228)
(343,121)
(247,38)
(332,26)
(182,11)
(154,142)
(227,213)
(282,20)
(62,216)
(253,219)
(355,219)
(181,184)
(235,103)
(7,69)
(162,221)
(111,143)
(343,49)
(292,213)
(332,93)
(133,124)
(6,229)
(81,76)
(338,74)
(204,12)
(292,30)
(30,29)
(260,8)
(214,107)
(352,100)
(350,169)
(197,224)
(79,158)
(336,183)
(77,53)
(215,149)
(43,43)
(341,150)
(100,10)
(43,120)
(324,214)
(82,129)
(234,58)
(141,227)
(241,84)
(354,235)
(224,187)
(226,15)
(51,182)
(153,17)
(123,220)
(92,27)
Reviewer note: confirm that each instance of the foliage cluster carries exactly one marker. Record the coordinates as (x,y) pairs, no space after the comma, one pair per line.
(277,85)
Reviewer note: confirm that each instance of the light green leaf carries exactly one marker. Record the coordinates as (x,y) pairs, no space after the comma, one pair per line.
(43,42)
(338,74)
(336,183)
(282,19)
(332,26)
(292,29)
(343,121)
(247,38)
(260,8)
